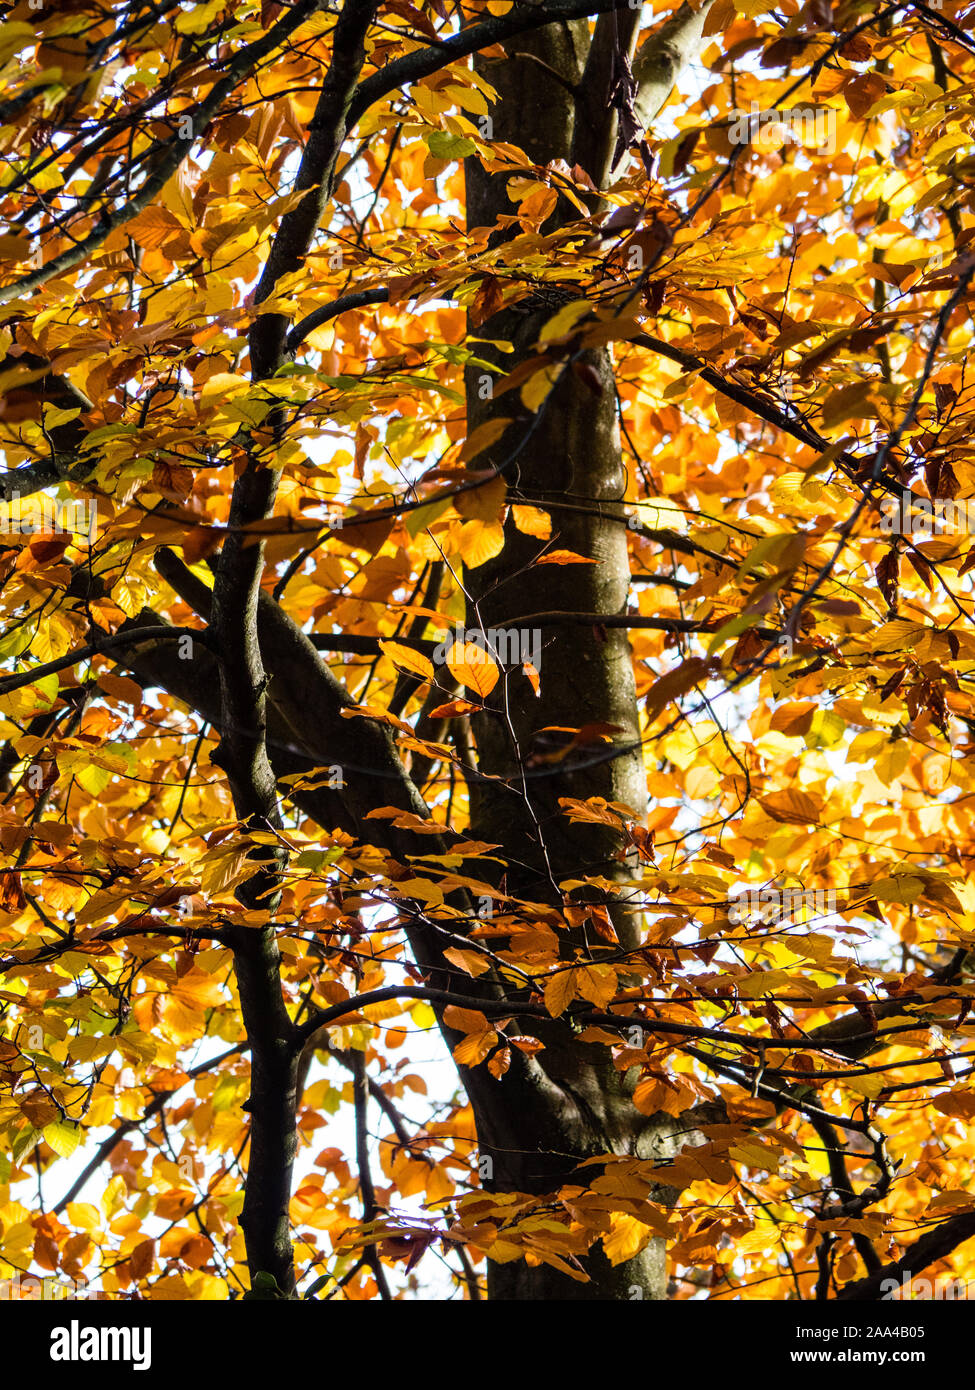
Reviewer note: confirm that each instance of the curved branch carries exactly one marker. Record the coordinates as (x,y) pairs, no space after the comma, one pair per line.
(325,312)
(103,645)
(519,20)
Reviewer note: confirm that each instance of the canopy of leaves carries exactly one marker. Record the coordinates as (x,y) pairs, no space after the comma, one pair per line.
(790,322)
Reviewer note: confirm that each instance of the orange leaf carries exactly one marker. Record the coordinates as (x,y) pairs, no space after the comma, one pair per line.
(500,1062)
(121,688)
(406,659)
(532,521)
(453,709)
(792,807)
(468,961)
(362,534)
(486,434)
(565,557)
(464,1020)
(473,667)
(475,1047)
(484,503)
(560,991)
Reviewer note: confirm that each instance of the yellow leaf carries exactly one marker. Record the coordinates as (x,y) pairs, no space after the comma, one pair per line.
(482,503)
(173,1288)
(627,1237)
(221,385)
(199,18)
(473,667)
(486,434)
(480,542)
(562,323)
(406,659)
(51,640)
(560,991)
(532,521)
(869,1086)
(423,1016)
(63,1137)
(93,779)
(539,384)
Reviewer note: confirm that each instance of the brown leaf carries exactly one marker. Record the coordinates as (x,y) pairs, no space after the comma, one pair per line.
(781,53)
(362,534)
(172,480)
(674,684)
(201,542)
(142,1259)
(487,301)
(684,151)
(887,574)
(46,548)
(792,807)
(587,374)
(862,91)
(922,568)
(11,892)
(945,396)
(857,49)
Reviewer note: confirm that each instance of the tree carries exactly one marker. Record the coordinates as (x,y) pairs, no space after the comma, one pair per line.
(486,549)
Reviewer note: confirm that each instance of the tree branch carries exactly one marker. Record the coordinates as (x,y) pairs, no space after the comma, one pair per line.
(175,152)
(325,312)
(316,175)
(660,60)
(945,1238)
(108,643)
(519,20)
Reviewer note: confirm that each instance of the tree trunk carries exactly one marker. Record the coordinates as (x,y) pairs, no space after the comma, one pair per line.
(572,456)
